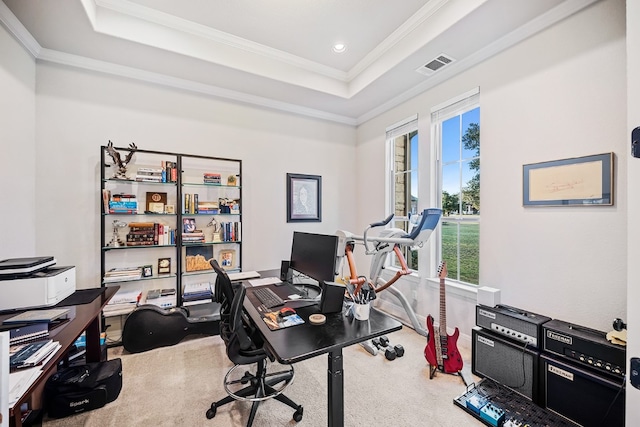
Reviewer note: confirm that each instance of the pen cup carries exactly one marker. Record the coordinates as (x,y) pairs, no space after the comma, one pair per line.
(361,311)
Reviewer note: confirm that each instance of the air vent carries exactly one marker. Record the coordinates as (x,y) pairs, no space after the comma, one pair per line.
(435,64)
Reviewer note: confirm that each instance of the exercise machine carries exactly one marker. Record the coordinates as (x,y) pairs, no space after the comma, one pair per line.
(389,240)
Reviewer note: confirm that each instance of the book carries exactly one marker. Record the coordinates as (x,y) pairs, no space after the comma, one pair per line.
(24,332)
(31,316)
(32,354)
(274,321)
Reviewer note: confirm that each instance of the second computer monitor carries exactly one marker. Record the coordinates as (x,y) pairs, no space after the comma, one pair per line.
(314,255)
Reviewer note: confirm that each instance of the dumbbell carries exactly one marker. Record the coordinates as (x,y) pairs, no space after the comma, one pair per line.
(389,352)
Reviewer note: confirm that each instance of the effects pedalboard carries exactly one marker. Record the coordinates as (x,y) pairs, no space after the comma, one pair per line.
(498,406)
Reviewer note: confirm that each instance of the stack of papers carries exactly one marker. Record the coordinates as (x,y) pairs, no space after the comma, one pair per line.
(197,293)
(123,302)
(122,274)
(32,354)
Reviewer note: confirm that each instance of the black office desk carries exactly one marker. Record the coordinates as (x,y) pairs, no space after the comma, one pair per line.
(300,342)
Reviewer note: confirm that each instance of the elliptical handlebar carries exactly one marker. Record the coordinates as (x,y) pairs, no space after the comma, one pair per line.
(373,225)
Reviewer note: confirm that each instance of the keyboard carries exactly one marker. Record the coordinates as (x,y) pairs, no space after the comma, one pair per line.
(243,275)
(268,298)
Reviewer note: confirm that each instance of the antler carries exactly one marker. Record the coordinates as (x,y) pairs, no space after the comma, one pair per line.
(133,148)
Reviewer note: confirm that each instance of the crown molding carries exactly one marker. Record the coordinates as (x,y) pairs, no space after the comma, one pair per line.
(85,63)
(15,27)
(563,10)
(161,19)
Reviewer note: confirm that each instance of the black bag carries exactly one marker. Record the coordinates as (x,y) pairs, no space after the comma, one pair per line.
(83,388)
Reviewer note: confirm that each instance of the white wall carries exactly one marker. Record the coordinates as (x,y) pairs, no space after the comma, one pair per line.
(17,149)
(78,111)
(633,226)
(558,94)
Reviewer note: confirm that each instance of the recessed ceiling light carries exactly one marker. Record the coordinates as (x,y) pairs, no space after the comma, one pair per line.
(339,47)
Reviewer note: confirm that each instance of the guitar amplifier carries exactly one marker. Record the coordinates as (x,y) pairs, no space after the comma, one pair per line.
(507,362)
(512,322)
(585,346)
(580,395)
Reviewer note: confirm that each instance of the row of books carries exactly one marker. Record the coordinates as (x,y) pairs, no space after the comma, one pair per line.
(231,231)
(193,237)
(211,178)
(122,274)
(149,234)
(167,172)
(119,203)
(192,205)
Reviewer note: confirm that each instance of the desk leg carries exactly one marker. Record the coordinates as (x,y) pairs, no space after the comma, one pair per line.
(336,389)
(93,340)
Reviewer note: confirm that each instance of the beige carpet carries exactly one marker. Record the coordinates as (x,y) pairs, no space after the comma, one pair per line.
(174,386)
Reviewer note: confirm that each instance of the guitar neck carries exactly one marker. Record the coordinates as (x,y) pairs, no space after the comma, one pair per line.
(443,309)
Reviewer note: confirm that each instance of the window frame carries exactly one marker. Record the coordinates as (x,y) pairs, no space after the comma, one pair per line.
(440,113)
(405,128)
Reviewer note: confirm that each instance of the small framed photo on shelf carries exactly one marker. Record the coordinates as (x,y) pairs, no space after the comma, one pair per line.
(164,265)
(169,209)
(147,271)
(227,259)
(188,225)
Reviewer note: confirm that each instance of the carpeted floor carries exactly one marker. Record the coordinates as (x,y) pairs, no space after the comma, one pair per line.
(174,386)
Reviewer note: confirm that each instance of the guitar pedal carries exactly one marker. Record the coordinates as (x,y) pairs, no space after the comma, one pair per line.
(492,414)
(475,403)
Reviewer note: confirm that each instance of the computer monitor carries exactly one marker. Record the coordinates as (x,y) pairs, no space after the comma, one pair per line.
(314,255)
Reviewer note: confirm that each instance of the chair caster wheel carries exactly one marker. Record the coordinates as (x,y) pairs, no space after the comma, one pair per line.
(297,416)
(211,412)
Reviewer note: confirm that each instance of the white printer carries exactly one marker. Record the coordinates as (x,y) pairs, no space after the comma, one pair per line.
(34,282)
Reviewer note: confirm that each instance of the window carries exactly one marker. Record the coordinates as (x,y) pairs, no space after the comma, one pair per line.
(456,133)
(402,155)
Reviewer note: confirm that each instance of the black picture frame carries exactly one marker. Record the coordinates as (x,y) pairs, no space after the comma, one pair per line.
(579,181)
(304,198)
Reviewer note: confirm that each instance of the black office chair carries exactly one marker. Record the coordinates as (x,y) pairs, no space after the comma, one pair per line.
(245,347)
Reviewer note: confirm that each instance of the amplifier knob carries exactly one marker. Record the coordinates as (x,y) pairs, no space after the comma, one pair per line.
(599,364)
(616,370)
(582,358)
(590,361)
(607,366)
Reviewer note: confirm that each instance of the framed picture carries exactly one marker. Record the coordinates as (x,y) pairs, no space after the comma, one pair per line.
(156,202)
(227,259)
(304,198)
(164,265)
(147,271)
(169,209)
(197,258)
(580,181)
(188,225)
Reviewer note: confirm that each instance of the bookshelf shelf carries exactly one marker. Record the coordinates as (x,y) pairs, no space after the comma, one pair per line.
(178,185)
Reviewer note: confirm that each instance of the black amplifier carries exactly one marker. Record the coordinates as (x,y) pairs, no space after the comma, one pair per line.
(581,395)
(512,322)
(586,346)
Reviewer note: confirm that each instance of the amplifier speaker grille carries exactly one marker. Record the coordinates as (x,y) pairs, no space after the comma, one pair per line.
(581,395)
(505,361)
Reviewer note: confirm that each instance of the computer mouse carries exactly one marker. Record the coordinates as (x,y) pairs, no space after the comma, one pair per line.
(286,312)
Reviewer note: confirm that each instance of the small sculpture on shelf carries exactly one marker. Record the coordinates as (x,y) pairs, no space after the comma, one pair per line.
(215,232)
(116,242)
(120,165)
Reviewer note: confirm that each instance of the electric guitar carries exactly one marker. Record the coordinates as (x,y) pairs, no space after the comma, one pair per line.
(441,351)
